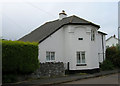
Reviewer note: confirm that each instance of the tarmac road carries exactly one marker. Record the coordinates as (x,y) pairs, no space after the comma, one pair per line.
(108,79)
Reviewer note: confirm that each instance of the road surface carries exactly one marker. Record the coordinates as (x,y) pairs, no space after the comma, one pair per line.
(108,79)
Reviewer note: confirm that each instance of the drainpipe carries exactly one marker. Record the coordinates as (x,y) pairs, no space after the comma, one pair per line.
(103,47)
(68,66)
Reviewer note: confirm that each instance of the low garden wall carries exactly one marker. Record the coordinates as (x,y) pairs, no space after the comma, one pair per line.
(49,69)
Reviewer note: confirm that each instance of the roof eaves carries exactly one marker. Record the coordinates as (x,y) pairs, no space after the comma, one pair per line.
(102,33)
(89,22)
(111,37)
(94,25)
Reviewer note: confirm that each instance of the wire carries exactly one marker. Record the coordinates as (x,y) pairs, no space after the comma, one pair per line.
(48,13)
(13,21)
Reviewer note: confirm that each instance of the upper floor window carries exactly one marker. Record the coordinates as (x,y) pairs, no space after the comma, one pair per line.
(50,56)
(92,35)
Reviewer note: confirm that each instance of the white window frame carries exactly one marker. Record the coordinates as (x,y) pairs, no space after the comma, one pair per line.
(92,35)
(81,58)
(50,56)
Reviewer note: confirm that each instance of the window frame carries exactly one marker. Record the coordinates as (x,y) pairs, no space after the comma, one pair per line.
(80,62)
(80,38)
(92,35)
(50,58)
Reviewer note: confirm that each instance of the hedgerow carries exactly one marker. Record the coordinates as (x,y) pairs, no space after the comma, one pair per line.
(113,55)
(19,57)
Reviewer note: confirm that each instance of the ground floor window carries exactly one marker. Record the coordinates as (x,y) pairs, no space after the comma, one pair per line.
(81,57)
(50,55)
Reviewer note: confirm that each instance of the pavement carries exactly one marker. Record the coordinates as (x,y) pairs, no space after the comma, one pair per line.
(59,80)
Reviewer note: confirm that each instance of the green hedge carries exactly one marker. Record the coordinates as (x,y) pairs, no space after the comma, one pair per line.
(19,57)
(113,55)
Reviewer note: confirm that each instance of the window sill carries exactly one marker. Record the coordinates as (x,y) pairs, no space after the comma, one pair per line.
(81,64)
(51,61)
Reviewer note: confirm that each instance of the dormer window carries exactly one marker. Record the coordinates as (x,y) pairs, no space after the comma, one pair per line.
(92,35)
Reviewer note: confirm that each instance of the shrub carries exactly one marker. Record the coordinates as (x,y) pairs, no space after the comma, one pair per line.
(19,57)
(116,59)
(110,52)
(9,78)
(113,55)
(106,65)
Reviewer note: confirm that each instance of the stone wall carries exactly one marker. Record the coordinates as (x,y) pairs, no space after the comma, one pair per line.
(49,69)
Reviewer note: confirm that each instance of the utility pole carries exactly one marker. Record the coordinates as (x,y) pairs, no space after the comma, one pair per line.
(119,24)
(119,37)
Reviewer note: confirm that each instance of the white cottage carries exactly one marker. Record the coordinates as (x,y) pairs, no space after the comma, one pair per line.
(72,40)
(111,41)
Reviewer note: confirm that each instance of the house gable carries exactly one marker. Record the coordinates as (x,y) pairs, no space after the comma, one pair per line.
(47,29)
(111,41)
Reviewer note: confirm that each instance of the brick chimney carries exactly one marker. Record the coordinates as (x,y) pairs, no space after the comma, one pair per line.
(62,15)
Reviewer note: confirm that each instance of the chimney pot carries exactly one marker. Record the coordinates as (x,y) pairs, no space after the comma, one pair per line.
(114,36)
(62,15)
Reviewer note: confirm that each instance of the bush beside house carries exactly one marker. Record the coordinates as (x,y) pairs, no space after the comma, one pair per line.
(18,58)
(113,55)
(106,65)
(112,58)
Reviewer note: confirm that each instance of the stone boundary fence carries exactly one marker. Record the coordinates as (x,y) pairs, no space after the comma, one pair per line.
(49,69)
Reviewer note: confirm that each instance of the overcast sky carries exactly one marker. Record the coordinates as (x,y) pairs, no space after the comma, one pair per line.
(20,18)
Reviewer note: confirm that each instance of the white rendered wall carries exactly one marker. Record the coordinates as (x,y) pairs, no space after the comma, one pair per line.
(94,61)
(73,45)
(65,43)
(100,47)
(52,43)
(112,41)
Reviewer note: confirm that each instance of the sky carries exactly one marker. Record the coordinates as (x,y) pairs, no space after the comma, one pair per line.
(20,18)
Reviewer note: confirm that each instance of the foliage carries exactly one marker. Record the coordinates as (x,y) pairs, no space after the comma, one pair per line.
(113,55)
(110,52)
(106,65)
(19,57)
(9,78)
(116,59)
